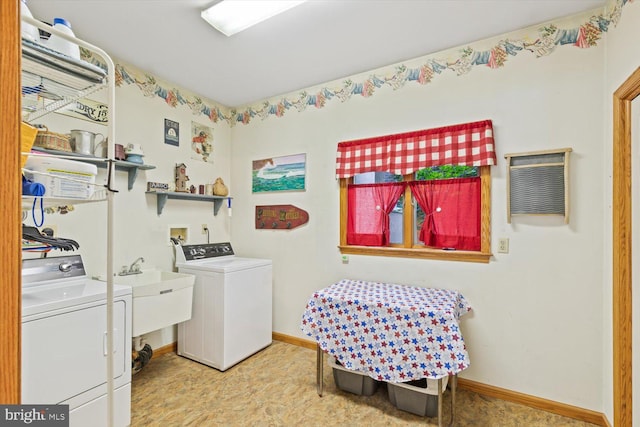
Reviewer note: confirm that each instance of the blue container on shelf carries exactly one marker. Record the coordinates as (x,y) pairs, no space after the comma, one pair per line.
(135,158)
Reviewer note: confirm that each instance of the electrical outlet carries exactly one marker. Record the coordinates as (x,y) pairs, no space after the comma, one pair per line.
(204,228)
(503,245)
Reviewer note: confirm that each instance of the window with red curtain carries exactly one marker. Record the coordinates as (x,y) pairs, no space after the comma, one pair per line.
(369,209)
(452,212)
(464,212)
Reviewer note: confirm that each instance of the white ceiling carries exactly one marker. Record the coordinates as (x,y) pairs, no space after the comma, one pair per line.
(317,42)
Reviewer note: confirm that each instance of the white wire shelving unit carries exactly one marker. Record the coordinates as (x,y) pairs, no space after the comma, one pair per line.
(51,81)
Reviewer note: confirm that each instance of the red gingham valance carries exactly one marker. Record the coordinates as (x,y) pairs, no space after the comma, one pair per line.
(469,144)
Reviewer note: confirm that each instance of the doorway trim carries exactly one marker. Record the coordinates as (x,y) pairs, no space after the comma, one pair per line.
(622,267)
(10,226)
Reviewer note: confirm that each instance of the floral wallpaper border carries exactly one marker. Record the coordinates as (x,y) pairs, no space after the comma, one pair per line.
(584,31)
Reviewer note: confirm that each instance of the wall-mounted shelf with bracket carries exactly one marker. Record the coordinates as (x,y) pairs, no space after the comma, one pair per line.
(130,167)
(163,196)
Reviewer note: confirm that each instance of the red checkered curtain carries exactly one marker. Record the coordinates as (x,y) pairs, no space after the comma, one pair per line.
(468,144)
(369,209)
(452,226)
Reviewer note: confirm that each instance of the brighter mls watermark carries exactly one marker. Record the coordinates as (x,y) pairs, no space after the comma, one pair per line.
(34,415)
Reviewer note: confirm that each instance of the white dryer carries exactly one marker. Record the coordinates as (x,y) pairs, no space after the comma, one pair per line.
(232,305)
(64,342)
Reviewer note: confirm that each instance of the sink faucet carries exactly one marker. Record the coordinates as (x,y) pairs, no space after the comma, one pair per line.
(134,268)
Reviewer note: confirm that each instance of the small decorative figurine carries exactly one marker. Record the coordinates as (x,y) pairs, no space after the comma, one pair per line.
(181,178)
(219,189)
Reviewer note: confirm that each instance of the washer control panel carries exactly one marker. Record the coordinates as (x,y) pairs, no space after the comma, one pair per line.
(44,269)
(209,250)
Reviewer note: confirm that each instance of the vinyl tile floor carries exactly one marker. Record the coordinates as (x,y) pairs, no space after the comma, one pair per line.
(277,387)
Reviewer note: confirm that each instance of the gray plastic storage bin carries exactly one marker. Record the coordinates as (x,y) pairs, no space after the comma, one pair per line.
(419,397)
(352,381)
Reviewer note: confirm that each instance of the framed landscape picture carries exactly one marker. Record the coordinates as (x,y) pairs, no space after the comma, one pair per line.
(285,173)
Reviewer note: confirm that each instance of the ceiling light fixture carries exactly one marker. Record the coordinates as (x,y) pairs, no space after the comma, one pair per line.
(232,16)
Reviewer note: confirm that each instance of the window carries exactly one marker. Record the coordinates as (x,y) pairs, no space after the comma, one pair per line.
(428,208)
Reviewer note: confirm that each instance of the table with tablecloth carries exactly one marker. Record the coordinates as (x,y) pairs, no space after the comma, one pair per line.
(390,332)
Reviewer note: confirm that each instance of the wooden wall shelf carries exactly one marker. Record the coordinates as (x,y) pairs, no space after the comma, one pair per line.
(163,196)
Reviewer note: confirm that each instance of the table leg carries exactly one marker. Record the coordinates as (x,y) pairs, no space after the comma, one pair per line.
(319,369)
(439,402)
(454,386)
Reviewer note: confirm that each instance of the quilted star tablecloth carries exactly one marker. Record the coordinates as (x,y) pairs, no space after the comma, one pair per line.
(391,332)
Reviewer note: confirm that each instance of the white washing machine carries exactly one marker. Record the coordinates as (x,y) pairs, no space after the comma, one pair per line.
(231,317)
(64,342)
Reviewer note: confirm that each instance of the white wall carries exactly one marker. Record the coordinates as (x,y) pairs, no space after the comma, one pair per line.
(537,322)
(622,59)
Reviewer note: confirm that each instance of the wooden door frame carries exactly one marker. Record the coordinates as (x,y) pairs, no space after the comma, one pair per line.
(10,220)
(622,263)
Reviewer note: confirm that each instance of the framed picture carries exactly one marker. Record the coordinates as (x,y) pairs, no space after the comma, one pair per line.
(285,173)
(201,142)
(171,132)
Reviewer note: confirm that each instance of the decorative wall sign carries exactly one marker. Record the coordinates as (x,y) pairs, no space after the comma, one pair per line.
(286,173)
(157,186)
(201,142)
(171,132)
(87,109)
(280,217)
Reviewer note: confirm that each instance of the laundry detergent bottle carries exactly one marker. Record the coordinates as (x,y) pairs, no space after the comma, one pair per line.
(28,31)
(60,44)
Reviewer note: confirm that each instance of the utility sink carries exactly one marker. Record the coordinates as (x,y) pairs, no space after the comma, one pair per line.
(155,282)
(160,299)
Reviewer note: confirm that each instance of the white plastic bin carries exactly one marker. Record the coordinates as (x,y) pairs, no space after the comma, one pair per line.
(63,178)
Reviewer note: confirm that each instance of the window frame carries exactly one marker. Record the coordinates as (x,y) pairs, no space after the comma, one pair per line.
(409,249)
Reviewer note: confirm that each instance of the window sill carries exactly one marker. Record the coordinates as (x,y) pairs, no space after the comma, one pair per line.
(424,253)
